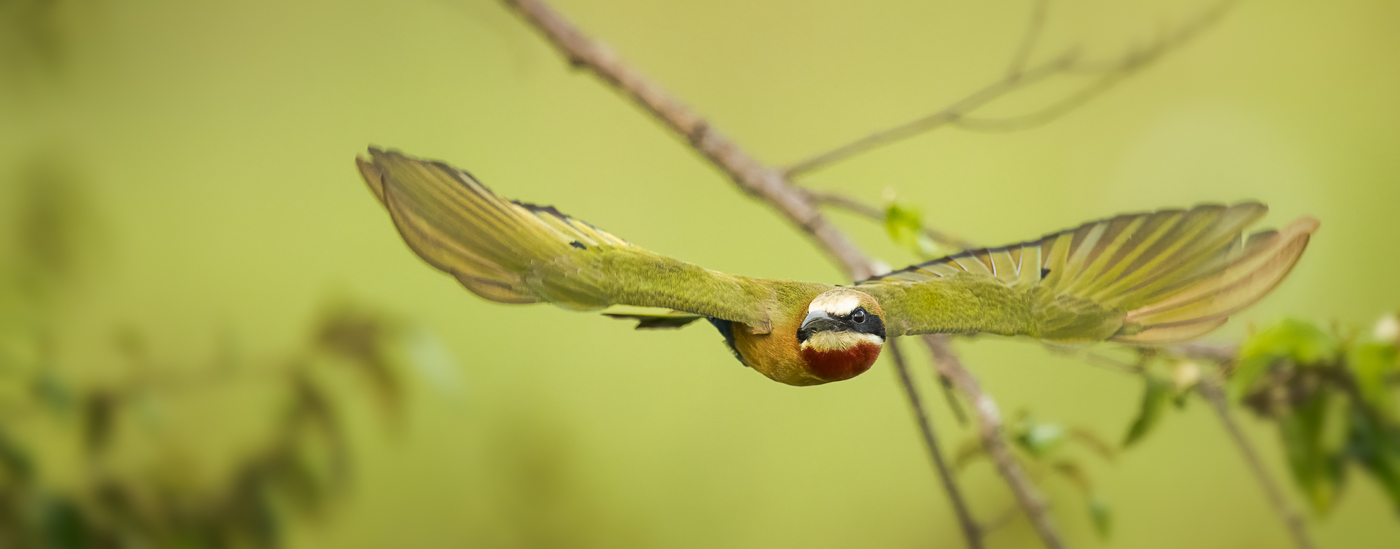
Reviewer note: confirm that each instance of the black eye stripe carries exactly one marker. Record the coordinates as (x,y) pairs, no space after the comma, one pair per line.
(858,320)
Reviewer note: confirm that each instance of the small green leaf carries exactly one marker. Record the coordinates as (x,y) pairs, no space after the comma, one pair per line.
(1302,342)
(1101,515)
(1038,439)
(15,459)
(1154,397)
(63,525)
(906,229)
(1316,468)
(1377,448)
(1370,365)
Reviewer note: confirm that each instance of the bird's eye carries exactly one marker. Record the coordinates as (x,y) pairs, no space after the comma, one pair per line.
(858,317)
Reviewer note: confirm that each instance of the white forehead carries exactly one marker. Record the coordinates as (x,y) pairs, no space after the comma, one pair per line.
(835,303)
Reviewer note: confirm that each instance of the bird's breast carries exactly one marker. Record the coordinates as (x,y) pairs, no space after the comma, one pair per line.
(840,364)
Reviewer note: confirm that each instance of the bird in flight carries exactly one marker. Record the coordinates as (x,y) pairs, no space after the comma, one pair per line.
(1145,279)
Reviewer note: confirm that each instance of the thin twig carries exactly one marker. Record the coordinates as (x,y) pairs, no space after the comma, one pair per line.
(841,201)
(971,531)
(989,431)
(1210,388)
(1110,72)
(1112,364)
(1023,54)
(950,396)
(941,118)
(1220,353)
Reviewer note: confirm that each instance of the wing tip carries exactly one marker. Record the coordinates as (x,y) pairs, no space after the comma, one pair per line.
(1306,225)
(370,172)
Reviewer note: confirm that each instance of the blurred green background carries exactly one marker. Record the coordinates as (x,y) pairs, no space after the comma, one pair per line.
(211,144)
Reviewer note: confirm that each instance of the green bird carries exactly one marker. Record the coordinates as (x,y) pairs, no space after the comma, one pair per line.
(1145,279)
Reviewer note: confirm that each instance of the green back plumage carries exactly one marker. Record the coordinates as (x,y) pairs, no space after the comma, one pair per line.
(1146,278)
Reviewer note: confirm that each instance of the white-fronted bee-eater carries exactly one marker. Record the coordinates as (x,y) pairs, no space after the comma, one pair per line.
(1146,279)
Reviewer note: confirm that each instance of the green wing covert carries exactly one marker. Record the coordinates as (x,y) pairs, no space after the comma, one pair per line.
(1148,278)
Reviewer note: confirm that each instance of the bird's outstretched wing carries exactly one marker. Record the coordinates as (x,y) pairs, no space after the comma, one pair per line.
(1148,278)
(513,252)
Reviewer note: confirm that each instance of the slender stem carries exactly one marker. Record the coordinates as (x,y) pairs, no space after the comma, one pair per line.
(1019,76)
(1210,388)
(971,531)
(990,431)
(1023,53)
(837,200)
(933,121)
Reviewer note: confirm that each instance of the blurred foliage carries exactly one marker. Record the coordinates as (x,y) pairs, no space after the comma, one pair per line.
(32,42)
(906,228)
(1045,449)
(297,463)
(1331,394)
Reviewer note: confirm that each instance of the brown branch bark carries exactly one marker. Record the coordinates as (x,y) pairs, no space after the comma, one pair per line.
(989,430)
(972,532)
(1018,77)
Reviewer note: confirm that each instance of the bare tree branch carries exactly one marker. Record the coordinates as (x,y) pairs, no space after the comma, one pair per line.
(990,432)
(971,531)
(1109,73)
(752,176)
(1210,388)
(841,201)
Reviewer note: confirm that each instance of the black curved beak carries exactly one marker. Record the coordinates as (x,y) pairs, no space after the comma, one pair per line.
(819,321)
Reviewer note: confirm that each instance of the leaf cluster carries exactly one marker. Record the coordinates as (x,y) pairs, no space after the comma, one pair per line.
(1332,398)
(1047,450)
(65,442)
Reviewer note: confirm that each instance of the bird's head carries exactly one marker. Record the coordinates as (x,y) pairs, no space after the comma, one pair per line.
(842,334)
